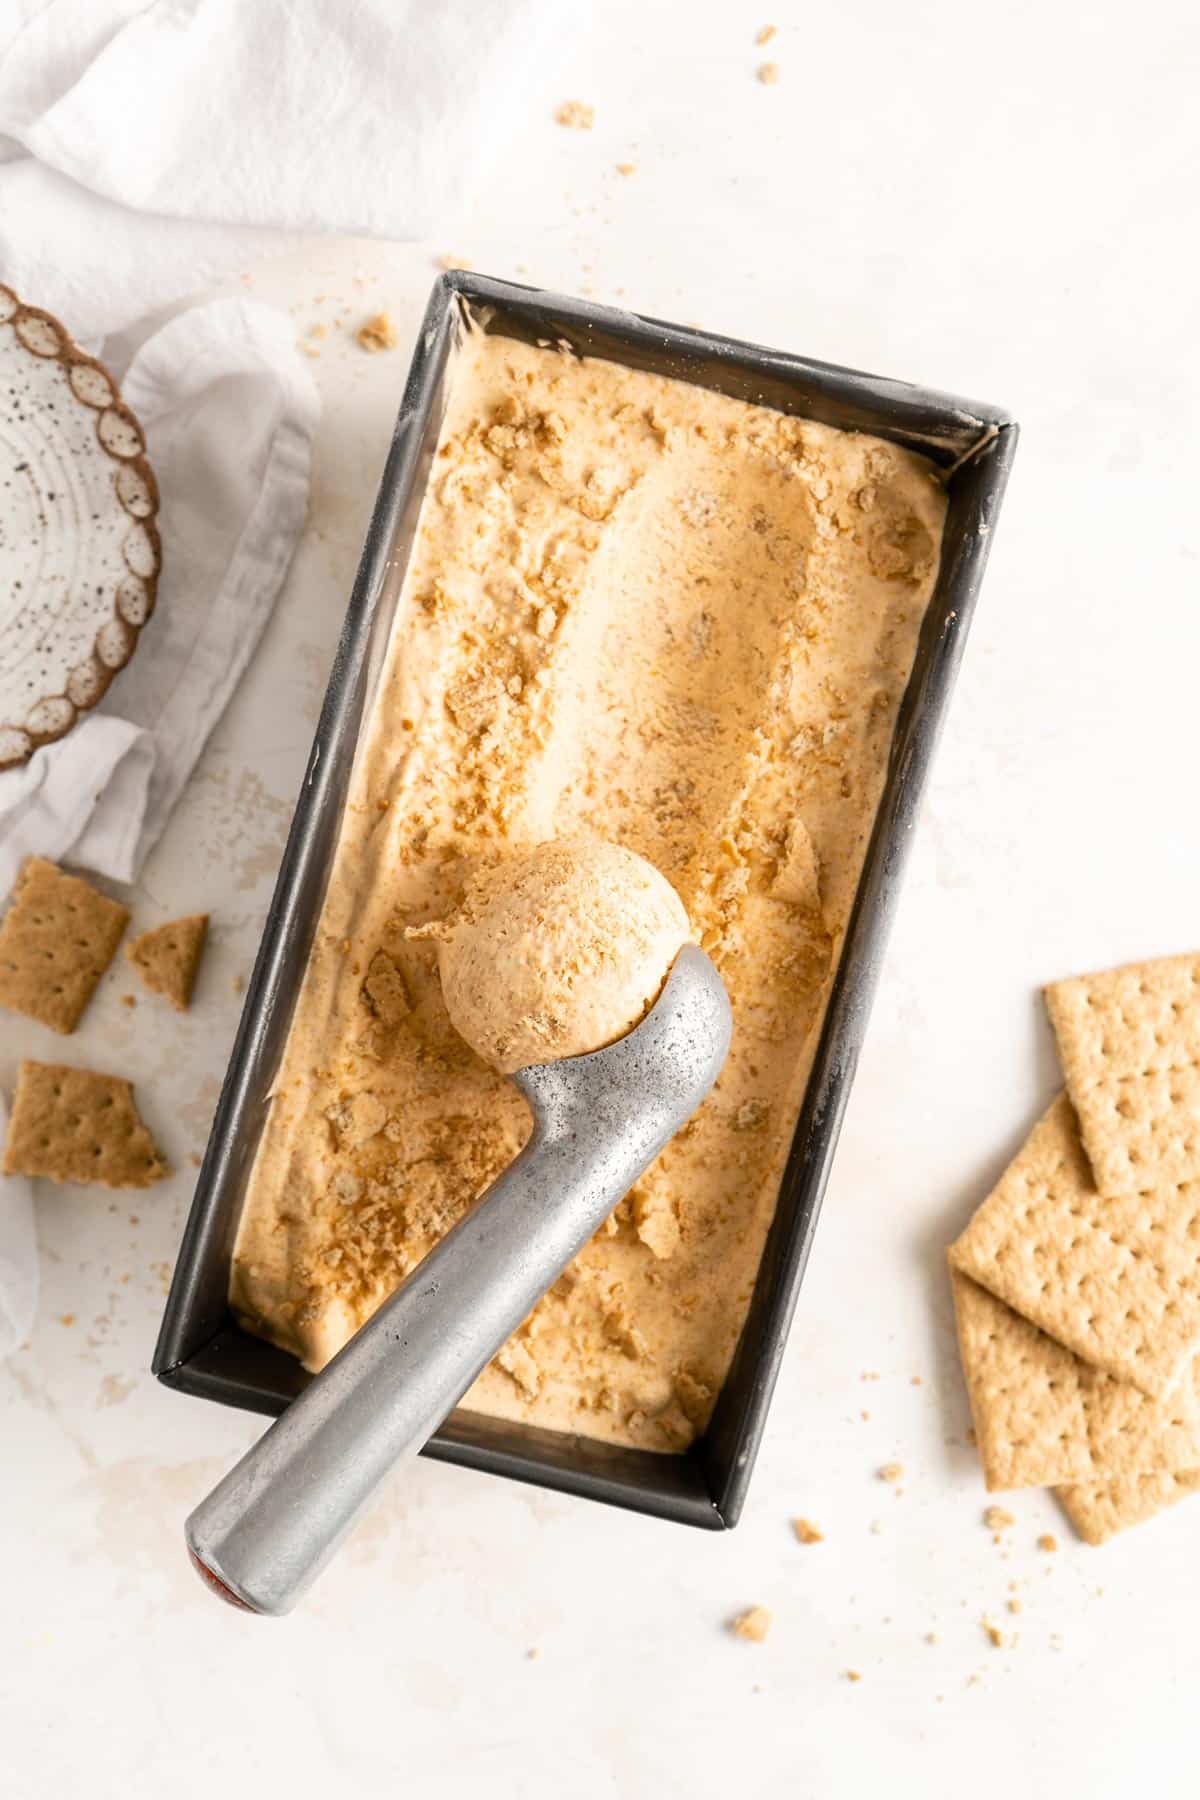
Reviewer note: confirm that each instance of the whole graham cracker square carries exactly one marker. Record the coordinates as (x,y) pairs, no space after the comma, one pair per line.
(57,939)
(1116,1278)
(1129,1043)
(1098,1510)
(74,1125)
(1044,1417)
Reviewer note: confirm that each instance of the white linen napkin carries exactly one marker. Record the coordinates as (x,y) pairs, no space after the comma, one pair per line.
(229,410)
(182,137)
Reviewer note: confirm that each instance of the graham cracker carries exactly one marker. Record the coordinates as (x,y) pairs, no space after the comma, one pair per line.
(74,1125)
(1098,1510)
(167,957)
(57,939)
(1115,1279)
(1129,1044)
(1043,1417)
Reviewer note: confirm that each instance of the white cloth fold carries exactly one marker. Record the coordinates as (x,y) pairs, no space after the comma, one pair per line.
(191,134)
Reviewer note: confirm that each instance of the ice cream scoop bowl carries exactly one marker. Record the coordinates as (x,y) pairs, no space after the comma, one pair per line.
(267,1529)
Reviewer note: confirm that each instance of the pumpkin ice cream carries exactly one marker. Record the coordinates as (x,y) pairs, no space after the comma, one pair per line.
(637,611)
(556,951)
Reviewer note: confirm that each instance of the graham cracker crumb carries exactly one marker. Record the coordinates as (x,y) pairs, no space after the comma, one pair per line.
(533,1655)
(807,1532)
(768,74)
(377,333)
(66,1318)
(1014,1605)
(576,115)
(853,1674)
(999,1639)
(128,999)
(1047,1541)
(627,168)
(932,1637)
(752,1625)
(998,1518)
(764,34)
(915,1381)
(892,1472)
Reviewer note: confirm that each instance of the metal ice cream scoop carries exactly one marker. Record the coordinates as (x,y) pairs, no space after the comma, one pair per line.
(269,1527)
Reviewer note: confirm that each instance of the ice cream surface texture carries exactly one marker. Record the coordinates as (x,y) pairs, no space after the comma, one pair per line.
(557,951)
(639,611)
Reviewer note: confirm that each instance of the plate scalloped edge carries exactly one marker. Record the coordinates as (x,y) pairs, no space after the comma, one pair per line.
(120,438)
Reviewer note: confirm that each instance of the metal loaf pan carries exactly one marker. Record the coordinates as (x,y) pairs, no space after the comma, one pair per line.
(201,1350)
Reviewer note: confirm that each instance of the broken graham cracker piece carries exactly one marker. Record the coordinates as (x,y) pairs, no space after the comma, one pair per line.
(1098,1510)
(377,333)
(58,937)
(752,1625)
(167,957)
(74,1125)
(1116,1279)
(1129,1044)
(1043,1417)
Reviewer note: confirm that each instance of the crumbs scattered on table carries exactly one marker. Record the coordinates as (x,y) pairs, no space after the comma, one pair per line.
(869,1375)
(853,1674)
(533,1655)
(996,1636)
(764,34)
(998,1519)
(66,1318)
(807,1532)
(239,982)
(128,999)
(932,1637)
(892,1471)
(752,1625)
(768,74)
(1047,1541)
(377,333)
(576,115)
(916,1381)
(196,1160)
(1014,1604)
(627,168)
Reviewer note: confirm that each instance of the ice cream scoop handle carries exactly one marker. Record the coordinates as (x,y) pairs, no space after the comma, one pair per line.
(265,1532)
(268,1528)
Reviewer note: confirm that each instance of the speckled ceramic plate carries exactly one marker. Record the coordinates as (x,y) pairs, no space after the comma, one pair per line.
(79,552)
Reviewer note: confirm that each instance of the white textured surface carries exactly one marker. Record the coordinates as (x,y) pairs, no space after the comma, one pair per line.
(998,203)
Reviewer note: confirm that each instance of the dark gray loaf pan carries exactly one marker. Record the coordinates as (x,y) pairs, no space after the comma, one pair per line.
(201,1349)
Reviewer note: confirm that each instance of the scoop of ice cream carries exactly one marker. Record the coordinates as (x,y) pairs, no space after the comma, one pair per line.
(557,951)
